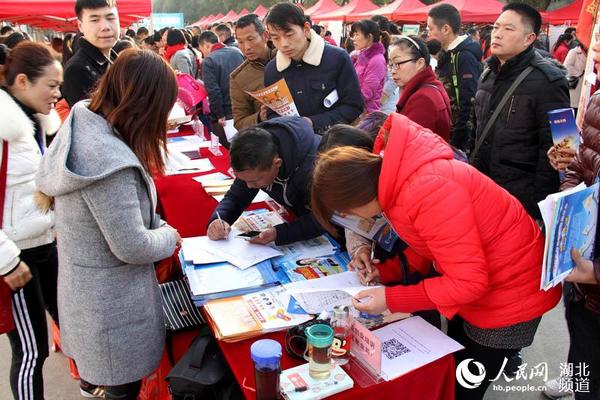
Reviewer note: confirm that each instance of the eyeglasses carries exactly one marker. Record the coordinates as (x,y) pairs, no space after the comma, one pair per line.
(396,65)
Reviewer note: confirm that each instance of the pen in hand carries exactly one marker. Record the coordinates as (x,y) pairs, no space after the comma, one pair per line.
(222,225)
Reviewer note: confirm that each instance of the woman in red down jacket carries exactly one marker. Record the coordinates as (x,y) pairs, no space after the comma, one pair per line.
(483,244)
(423,98)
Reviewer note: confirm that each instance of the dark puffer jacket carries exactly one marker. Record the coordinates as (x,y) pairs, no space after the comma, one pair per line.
(514,153)
(585,168)
(297,147)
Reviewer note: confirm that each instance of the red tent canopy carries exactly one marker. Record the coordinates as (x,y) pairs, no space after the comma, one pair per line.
(342,13)
(261,11)
(397,7)
(321,7)
(229,17)
(563,15)
(478,11)
(200,22)
(243,12)
(60,14)
(213,19)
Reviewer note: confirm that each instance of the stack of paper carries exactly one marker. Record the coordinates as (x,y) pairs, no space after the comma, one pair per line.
(243,317)
(234,250)
(570,218)
(177,163)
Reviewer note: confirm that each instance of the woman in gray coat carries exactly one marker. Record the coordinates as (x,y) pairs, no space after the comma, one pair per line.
(98,171)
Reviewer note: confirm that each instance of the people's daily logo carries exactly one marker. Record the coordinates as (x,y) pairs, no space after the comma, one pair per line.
(466,378)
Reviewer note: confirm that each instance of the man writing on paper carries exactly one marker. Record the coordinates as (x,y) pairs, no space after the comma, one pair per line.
(276,156)
(248,77)
(321,78)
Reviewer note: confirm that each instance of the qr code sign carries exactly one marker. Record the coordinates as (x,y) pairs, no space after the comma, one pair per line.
(393,348)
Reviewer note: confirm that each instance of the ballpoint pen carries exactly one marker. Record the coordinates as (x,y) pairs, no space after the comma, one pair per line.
(222,223)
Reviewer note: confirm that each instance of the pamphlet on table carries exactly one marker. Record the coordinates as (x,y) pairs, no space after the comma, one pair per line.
(404,346)
(323,294)
(241,317)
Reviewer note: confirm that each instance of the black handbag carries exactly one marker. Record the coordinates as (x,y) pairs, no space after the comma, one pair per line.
(180,312)
(202,373)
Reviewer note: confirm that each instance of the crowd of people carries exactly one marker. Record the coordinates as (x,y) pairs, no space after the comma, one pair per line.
(444,134)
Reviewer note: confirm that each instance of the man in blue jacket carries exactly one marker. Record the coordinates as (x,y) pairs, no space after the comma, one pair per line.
(276,156)
(321,77)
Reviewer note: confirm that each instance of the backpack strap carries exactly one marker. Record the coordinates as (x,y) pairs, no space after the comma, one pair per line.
(454,75)
(488,126)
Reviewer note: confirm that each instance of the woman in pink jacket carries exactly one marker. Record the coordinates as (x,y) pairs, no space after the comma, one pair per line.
(485,248)
(370,61)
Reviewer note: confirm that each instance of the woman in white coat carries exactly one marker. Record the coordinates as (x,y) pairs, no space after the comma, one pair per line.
(575,65)
(28,261)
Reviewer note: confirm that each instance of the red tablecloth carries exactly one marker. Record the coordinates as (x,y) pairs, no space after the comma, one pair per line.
(186,206)
(434,381)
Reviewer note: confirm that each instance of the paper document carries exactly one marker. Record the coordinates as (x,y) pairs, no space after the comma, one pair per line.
(238,251)
(221,277)
(186,143)
(411,343)
(278,98)
(177,163)
(257,220)
(192,249)
(229,129)
(308,249)
(217,176)
(331,99)
(317,302)
(260,197)
(345,281)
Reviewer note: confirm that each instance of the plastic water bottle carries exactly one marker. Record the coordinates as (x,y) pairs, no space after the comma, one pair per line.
(266,355)
(197,127)
(341,324)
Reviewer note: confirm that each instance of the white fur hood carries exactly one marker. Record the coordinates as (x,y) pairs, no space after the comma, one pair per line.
(14,123)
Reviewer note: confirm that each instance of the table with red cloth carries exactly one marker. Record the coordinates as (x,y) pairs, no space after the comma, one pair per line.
(185,205)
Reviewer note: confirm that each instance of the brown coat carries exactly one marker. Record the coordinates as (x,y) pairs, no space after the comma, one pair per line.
(585,168)
(247,77)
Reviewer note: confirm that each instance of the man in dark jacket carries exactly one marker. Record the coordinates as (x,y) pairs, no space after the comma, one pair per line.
(513,153)
(219,62)
(225,36)
(461,73)
(276,156)
(321,78)
(98,20)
